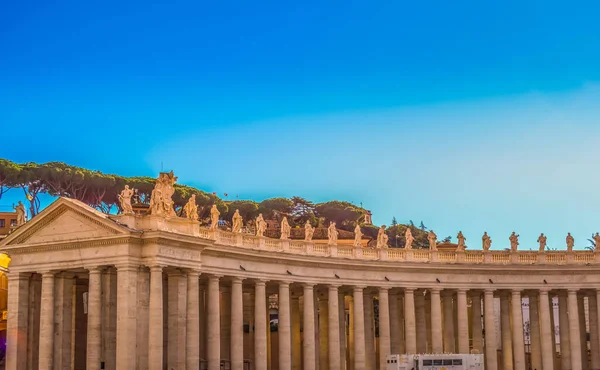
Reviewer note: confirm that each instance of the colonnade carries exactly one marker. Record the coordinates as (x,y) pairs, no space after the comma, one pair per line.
(184,319)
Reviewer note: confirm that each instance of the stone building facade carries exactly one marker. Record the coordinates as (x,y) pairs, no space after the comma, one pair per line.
(93,291)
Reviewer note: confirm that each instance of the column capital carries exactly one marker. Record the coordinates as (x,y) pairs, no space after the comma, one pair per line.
(193,272)
(515,292)
(214,277)
(127,266)
(411,290)
(436,290)
(284,282)
(359,287)
(488,291)
(572,291)
(308,285)
(462,291)
(94,269)
(333,287)
(47,274)
(156,268)
(237,280)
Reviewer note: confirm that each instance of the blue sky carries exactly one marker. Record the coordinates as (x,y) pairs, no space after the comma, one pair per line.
(466,115)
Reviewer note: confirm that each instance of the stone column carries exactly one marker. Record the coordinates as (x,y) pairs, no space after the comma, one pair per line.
(176,310)
(409,321)
(192,331)
(33,307)
(260,325)
(47,322)
(563,322)
(351,324)
(594,337)
(477,327)
(369,332)
(225,326)
(309,360)
(384,326)
(574,338)
(323,326)
(16,331)
(420,321)
(517,330)
(582,331)
(342,325)
(534,327)
(126,316)
(285,327)
(155,326)
(505,331)
(333,335)
(394,324)
(296,335)
(463,321)
(437,345)
(490,331)
(449,343)
(94,334)
(213,339)
(109,317)
(203,319)
(359,329)
(143,316)
(63,317)
(545,310)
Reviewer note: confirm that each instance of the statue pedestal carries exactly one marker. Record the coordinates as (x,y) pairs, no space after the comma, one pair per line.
(177,225)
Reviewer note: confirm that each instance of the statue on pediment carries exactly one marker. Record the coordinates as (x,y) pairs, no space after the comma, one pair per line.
(486,241)
(570,242)
(461,241)
(542,240)
(191,208)
(409,238)
(332,233)
(514,241)
(357,236)
(125,200)
(286,229)
(597,242)
(214,217)
(20,209)
(432,237)
(382,238)
(237,222)
(161,202)
(261,225)
(308,232)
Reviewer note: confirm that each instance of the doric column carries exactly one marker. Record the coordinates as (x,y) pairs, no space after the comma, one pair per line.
(574,338)
(202,313)
(285,328)
(309,358)
(260,325)
(490,331)
(63,316)
(534,327)
(143,316)
(505,331)
(437,345)
(237,324)
(94,326)
(421,321)
(394,324)
(449,343)
(109,317)
(582,331)
(463,321)
(16,331)
(351,325)
(323,344)
(176,310)
(384,326)
(369,332)
(594,337)
(359,329)
(517,330)
(476,322)
(545,310)
(192,331)
(225,326)
(409,321)
(213,343)
(126,316)
(342,328)
(47,322)
(334,328)
(563,322)
(296,335)
(155,334)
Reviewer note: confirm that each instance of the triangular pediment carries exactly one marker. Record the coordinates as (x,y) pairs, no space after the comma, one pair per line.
(65,220)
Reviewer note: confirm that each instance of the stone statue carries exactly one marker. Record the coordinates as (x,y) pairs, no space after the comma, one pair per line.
(382,238)
(332,233)
(237,222)
(308,232)
(161,202)
(191,208)
(285,229)
(487,241)
(261,225)
(461,241)
(432,240)
(20,209)
(570,242)
(597,241)
(125,200)
(214,217)
(409,238)
(514,241)
(357,236)
(542,240)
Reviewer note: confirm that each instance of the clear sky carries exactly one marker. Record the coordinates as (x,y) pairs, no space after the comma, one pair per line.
(470,116)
